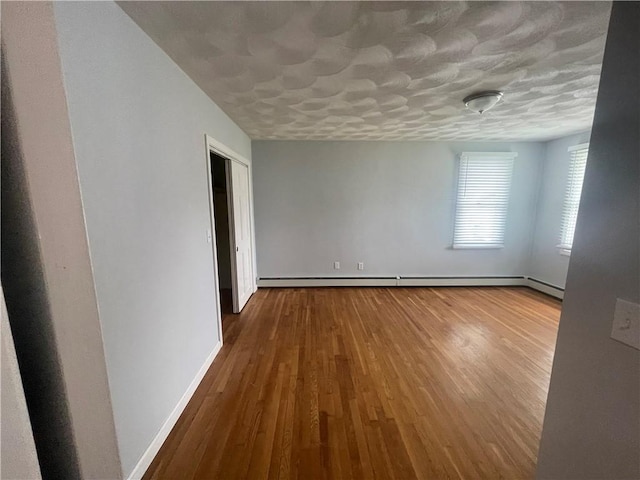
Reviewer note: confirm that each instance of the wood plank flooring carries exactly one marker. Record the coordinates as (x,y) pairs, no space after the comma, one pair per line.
(396,383)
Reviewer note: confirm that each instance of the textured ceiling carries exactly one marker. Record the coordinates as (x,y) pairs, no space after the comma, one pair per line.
(388,70)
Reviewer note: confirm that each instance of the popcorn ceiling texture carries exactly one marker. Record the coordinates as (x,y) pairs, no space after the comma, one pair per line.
(388,70)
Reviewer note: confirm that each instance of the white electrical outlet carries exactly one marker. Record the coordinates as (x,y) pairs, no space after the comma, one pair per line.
(626,323)
(360,266)
(336,265)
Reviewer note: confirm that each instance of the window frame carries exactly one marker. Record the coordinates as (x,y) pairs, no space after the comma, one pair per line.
(569,203)
(469,157)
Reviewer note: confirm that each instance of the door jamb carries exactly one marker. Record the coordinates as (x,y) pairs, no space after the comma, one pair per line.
(218,148)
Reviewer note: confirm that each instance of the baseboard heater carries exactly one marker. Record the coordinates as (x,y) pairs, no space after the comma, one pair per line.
(390,281)
(412,281)
(327,281)
(545,287)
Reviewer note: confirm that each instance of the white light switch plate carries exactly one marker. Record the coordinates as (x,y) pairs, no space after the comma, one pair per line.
(626,323)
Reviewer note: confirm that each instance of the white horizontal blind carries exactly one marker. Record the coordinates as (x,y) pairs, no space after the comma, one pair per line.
(484,182)
(577,166)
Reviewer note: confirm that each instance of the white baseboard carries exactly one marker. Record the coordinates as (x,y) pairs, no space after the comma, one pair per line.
(392,282)
(545,288)
(152,450)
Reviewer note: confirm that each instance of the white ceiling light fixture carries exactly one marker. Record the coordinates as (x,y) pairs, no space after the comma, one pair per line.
(482,101)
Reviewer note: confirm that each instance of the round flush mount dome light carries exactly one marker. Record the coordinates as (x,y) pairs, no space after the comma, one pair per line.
(482,101)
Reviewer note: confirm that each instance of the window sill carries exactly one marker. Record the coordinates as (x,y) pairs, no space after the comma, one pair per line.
(565,252)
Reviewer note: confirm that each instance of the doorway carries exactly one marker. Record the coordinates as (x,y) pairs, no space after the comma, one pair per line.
(231,211)
(222,230)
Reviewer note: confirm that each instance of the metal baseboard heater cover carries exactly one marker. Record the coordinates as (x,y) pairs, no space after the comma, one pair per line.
(545,287)
(389,280)
(411,281)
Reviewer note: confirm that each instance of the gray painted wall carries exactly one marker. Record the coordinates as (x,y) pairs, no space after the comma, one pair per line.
(388,204)
(138,126)
(547,264)
(592,420)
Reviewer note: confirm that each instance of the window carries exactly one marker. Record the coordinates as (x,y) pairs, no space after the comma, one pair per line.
(483,198)
(577,165)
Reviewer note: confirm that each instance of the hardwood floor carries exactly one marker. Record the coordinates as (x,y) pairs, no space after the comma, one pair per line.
(429,383)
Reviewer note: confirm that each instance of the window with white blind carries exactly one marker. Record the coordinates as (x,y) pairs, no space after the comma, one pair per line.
(577,166)
(484,181)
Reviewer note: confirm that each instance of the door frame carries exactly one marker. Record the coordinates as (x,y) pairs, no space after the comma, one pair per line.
(214,146)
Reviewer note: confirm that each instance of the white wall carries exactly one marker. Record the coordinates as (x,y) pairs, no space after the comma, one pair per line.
(388,204)
(547,264)
(592,421)
(138,127)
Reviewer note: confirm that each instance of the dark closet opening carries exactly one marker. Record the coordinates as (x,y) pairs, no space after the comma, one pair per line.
(223,244)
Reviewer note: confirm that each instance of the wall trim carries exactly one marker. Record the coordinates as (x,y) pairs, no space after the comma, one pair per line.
(544,287)
(154,447)
(392,281)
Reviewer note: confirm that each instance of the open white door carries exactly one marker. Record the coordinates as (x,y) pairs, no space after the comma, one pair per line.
(242,263)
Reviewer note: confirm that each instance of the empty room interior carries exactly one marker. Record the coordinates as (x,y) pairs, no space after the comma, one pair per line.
(320,240)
